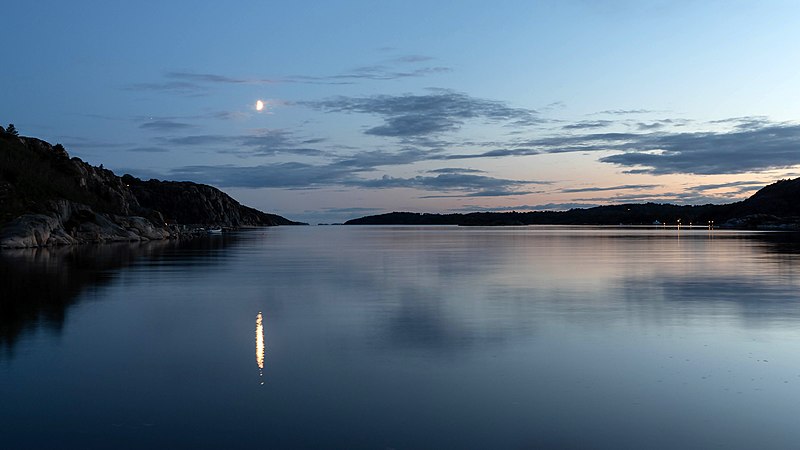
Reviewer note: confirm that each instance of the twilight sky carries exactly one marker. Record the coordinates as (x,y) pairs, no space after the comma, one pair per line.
(375,106)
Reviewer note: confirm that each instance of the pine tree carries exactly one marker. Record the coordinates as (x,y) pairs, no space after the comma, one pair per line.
(12,130)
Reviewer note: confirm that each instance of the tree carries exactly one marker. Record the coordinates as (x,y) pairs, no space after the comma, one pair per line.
(12,130)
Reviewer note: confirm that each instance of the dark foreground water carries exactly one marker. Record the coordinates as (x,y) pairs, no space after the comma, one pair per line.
(400,337)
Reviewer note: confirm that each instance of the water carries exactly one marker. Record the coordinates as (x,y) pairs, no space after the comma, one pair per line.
(405,337)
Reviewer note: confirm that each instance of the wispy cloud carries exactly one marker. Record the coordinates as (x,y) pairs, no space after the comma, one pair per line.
(456,170)
(229,115)
(389,69)
(737,187)
(539,207)
(410,59)
(172,87)
(300,175)
(659,124)
(678,198)
(263,143)
(445,182)
(625,112)
(484,193)
(421,115)
(276,175)
(745,122)
(612,188)
(374,72)
(586,124)
(192,83)
(147,150)
(165,125)
(195,77)
(187,82)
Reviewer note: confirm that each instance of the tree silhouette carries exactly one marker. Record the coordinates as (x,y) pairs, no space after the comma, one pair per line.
(12,130)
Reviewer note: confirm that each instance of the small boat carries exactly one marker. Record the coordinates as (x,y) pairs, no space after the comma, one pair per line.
(214,231)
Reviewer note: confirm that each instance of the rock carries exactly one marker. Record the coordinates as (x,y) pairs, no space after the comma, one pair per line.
(31,230)
(49,199)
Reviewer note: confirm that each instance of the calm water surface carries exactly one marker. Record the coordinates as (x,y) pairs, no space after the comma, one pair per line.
(405,337)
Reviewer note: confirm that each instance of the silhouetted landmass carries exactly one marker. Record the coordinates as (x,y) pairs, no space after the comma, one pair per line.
(184,202)
(48,198)
(776,206)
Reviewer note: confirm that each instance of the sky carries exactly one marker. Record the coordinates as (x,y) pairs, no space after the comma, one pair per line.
(448,106)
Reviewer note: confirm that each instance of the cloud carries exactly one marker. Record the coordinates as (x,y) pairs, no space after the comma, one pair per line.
(739,187)
(191,83)
(277,175)
(188,82)
(541,207)
(309,176)
(413,126)
(557,144)
(410,59)
(588,124)
(642,126)
(369,160)
(659,124)
(446,182)
(386,70)
(174,87)
(497,153)
(625,112)
(484,193)
(745,122)
(746,183)
(229,115)
(679,198)
(742,150)
(264,143)
(194,77)
(427,114)
(612,188)
(79,142)
(165,125)
(374,72)
(148,149)
(456,170)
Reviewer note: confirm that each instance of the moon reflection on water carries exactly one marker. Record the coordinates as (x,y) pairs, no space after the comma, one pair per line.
(260,347)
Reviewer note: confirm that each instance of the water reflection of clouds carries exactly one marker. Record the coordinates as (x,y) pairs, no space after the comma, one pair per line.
(446,289)
(447,293)
(426,320)
(749,299)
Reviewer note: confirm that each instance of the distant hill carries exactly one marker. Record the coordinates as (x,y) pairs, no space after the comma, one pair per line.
(779,199)
(48,198)
(776,207)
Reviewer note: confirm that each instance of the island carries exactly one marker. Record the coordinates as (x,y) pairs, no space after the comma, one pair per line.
(773,207)
(48,198)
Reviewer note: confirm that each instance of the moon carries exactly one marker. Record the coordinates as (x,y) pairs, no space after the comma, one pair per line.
(259,105)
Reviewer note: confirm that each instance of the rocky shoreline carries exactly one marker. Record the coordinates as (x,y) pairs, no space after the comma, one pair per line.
(73,224)
(49,199)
